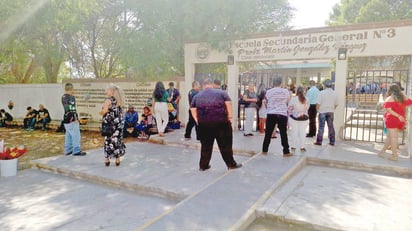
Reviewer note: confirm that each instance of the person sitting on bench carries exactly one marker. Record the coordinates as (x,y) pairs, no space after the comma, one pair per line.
(4,117)
(30,119)
(43,116)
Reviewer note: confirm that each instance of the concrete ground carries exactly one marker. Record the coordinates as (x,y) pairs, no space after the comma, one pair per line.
(158,187)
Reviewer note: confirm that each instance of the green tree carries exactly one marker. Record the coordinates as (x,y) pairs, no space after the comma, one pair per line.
(370,11)
(118,38)
(362,11)
(166,25)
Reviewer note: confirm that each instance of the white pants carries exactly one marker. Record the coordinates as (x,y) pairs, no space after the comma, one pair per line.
(250,114)
(162,116)
(298,133)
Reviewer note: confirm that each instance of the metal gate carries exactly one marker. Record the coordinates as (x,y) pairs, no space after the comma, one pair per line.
(213,76)
(262,80)
(363,119)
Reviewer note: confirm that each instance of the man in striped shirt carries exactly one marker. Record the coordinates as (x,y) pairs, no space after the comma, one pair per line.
(277,114)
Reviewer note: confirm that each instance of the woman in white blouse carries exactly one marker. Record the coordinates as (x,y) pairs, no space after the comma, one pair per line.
(298,113)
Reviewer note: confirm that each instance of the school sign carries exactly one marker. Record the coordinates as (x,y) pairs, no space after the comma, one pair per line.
(372,39)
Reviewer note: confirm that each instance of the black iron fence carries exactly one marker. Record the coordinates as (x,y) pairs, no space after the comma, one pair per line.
(364,90)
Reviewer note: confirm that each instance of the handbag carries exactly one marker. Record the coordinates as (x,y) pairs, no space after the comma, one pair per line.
(300,118)
(170,107)
(107,130)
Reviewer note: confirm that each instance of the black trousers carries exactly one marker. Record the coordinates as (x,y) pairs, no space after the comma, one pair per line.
(223,133)
(281,121)
(189,126)
(312,120)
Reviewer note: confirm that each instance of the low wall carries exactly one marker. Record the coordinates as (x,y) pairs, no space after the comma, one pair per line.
(24,95)
(89,96)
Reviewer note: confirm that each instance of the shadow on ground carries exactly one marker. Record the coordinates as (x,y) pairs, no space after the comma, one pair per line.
(46,143)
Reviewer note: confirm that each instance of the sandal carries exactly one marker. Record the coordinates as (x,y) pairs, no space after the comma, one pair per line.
(107,162)
(117,161)
(303,149)
(393,157)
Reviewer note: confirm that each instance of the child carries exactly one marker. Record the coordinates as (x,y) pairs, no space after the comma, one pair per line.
(146,123)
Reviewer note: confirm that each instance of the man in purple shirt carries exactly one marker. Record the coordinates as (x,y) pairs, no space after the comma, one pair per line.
(212,111)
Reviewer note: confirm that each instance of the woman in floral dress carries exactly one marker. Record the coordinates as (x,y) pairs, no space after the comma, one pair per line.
(112,112)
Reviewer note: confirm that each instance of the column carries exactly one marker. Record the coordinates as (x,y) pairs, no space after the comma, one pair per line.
(298,77)
(409,124)
(184,101)
(232,78)
(340,89)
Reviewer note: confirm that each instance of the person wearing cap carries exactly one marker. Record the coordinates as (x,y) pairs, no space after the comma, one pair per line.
(130,120)
(326,105)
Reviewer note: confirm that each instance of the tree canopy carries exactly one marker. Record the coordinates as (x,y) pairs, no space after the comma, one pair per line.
(362,11)
(371,11)
(46,40)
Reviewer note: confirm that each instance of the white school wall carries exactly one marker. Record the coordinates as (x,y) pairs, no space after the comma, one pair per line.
(136,94)
(24,95)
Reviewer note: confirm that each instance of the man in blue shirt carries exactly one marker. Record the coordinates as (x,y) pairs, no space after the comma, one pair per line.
(312,96)
(130,121)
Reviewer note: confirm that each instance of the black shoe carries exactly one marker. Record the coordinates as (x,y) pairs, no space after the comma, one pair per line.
(309,135)
(235,167)
(204,169)
(67,154)
(331,144)
(80,153)
(316,143)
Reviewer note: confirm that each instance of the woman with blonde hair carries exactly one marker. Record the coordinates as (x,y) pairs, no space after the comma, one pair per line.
(394,118)
(113,124)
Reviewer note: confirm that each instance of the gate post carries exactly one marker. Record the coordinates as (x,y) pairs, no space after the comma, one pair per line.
(340,89)
(409,125)
(232,90)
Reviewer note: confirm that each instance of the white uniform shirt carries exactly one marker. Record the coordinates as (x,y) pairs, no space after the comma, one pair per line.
(327,100)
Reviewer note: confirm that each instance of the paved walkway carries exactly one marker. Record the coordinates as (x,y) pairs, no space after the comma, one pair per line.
(158,187)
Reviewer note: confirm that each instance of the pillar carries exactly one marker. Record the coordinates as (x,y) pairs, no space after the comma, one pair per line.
(340,89)
(298,77)
(409,124)
(232,90)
